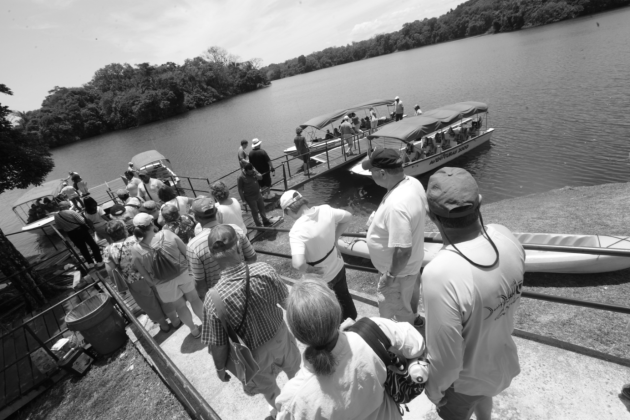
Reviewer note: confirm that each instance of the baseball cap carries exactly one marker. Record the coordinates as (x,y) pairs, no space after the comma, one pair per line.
(383,159)
(142,219)
(148,206)
(204,207)
(452,193)
(142,173)
(221,238)
(117,210)
(256,143)
(122,192)
(289,197)
(396,98)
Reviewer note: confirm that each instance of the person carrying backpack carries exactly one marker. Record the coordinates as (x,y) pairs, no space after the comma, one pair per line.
(183,225)
(161,259)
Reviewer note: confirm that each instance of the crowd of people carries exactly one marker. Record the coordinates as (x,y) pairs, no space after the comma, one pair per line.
(168,250)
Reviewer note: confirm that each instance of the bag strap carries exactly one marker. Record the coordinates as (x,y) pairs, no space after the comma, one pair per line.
(221,312)
(238,330)
(313,264)
(372,334)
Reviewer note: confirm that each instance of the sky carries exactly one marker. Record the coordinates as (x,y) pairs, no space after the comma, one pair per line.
(48,43)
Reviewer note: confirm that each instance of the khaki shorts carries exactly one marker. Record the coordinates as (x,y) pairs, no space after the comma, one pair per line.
(459,406)
(394,299)
(176,288)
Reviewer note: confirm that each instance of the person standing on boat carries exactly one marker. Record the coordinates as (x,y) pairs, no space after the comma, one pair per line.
(395,237)
(68,192)
(77,230)
(201,265)
(149,188)
(249,190)
(262,163)
(373,120)
(417,110)
(302,150)
(133,183)
(313,239)
(471,292)
(80,185)
(346,134)
(252,296)
(356,122)
(399,108)
(242,155)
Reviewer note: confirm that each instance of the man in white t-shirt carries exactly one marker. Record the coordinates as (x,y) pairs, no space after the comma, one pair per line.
(149,188)
(395,237)
(313,240)
(471,291)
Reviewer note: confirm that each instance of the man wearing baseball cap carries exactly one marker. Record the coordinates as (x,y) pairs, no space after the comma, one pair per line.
(149,188)
(400,109)
(346,134)
(257,289)
(395,237)
(201,265)
(471,290)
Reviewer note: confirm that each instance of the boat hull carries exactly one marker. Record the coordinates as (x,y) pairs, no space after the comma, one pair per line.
(435,161)
(536,261)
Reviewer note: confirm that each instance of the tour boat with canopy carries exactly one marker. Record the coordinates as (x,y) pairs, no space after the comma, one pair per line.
(156,165)
(430,140)
(316,136)
(35,207)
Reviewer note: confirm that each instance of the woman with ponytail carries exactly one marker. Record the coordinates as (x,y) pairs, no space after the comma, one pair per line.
(341,376)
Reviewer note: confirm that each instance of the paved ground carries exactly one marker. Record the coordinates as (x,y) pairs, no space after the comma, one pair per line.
(553,384)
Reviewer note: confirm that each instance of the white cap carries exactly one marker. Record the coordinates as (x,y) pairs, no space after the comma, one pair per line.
(396,98)
(346,118)
(289,197)
(142,219)
(256,143)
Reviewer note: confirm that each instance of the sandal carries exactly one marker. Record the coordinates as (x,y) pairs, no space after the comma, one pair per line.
(167,329)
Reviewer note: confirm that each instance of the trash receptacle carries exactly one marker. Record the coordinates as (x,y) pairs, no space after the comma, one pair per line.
(99,323)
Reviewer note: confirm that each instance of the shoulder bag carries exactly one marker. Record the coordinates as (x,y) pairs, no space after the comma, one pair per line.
(241,362)
(398,384)
(117,272)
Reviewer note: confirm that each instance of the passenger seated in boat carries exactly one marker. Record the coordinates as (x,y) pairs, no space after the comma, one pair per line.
(329,135)
(410,154)
(428,146)
(337,132)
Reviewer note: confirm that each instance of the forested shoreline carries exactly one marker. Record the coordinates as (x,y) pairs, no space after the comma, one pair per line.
(123,96)
(471,18)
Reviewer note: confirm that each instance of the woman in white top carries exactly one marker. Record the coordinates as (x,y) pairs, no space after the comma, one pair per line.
(373,119)
(341,377)
(417,109)
(171,291)
(229,208)
(168,195)
(313,239)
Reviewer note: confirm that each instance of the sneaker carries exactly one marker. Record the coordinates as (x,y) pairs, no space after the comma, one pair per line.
(267,223)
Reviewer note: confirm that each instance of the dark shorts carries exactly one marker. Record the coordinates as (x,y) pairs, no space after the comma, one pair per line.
(265,181)
(459,406)
(306,157)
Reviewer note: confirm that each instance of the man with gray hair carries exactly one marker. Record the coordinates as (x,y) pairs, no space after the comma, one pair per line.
(471,291)
(251,295)
(395,237)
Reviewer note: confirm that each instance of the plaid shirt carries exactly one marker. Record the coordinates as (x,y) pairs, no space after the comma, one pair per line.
(264,317)
(201,263)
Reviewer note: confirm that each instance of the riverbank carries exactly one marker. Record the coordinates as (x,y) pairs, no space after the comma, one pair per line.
(579,210)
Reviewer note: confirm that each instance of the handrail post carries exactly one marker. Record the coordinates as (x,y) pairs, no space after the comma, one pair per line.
(359,144)
(191,187)
(48,236)
(284,177)
(327,158)
(288,165)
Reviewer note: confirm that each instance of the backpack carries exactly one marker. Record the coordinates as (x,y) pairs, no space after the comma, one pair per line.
(184,227)
(165,266)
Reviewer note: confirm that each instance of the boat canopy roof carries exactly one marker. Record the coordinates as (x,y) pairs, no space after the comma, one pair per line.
(323,120)
(50,188)
(413,128)
(145,158)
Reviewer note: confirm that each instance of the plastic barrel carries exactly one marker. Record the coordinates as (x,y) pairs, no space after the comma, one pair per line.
(99,323)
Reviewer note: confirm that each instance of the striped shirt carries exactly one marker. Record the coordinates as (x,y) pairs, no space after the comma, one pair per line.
(202,265)
(68,220)
(264,316)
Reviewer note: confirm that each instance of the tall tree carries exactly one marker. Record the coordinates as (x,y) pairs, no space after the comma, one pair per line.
(24,160)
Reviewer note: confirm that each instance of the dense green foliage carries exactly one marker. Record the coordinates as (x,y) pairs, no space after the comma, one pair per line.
(24,159)
(123,96)
(474,17)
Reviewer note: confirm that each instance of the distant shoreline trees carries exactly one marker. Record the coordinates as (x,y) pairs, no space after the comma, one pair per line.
(474,17)
(123,96)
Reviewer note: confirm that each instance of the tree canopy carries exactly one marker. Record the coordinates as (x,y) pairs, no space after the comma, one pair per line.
(122,96)
(24,159)
(474,17)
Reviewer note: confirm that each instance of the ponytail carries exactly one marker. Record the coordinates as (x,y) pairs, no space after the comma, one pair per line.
(141,231)
(321,358)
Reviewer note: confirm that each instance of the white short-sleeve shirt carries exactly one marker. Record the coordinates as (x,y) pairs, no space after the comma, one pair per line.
(399,222)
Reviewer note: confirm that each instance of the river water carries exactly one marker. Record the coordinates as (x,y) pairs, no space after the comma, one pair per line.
(558,97)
